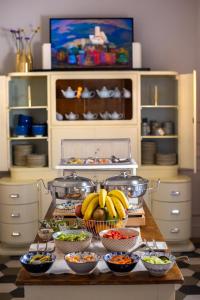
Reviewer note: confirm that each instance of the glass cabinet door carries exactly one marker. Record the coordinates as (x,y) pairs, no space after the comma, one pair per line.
(159,119)
(28,120)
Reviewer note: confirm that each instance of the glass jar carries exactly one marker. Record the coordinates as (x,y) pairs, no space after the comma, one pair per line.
(145,130)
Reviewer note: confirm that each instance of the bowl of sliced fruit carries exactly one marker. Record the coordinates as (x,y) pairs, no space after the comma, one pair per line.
(72,240)
(82,263)
(37,263)
(121,263)
(158,263)
(119,239)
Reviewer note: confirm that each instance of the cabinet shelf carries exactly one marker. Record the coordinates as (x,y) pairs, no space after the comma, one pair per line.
(94,98)
(27,107)
(159,106)
(159,136)
(28,138)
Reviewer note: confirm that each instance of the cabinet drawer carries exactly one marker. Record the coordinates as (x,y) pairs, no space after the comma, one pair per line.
(172,192)
(18,213)
(18,234)
(175,211)
(175,230)
(18,194)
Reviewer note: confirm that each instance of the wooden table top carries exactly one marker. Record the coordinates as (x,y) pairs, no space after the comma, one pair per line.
(149,231)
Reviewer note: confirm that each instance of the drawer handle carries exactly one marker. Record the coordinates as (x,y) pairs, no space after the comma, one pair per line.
(175,212)
(175,193)
(17,215)
(14,195)
(175,230)
(16,234)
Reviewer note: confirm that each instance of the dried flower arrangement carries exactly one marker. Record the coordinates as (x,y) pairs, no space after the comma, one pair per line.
(23,44)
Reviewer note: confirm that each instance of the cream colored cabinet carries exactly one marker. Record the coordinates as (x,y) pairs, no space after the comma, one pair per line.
(27,107)
(171,208)
(4,164)
(168,119)
(18,212)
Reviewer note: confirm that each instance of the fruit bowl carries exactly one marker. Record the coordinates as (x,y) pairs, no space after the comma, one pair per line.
(82,263)
(122,239)
(37,264)
(155,267)
(95,226)
(121,267)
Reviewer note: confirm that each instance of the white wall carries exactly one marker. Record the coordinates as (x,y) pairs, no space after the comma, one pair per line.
(166,29)
(169,31)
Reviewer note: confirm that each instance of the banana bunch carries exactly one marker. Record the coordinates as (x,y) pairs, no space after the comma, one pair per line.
(115,202)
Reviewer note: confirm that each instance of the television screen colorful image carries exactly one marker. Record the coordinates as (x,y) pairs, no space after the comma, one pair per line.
(91,43)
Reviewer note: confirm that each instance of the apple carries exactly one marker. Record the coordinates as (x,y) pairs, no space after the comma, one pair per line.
(78,212)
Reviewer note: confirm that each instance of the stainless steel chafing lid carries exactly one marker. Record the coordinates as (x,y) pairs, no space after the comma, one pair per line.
(125,180)
(71,181)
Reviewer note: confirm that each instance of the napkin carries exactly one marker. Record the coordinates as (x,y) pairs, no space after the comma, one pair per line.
(42,247)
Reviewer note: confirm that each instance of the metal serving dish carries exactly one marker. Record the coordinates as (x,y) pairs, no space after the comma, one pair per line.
(132,186)
(71,187)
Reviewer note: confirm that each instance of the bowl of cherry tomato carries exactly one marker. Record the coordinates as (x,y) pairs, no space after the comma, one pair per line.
(119,239)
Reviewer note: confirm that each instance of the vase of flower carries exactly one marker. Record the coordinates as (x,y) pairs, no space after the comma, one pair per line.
(17,61)
(29,58)
(23,43)
(23,65)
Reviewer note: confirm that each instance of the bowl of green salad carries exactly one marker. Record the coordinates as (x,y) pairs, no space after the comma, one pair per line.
(72,240)
(158,263)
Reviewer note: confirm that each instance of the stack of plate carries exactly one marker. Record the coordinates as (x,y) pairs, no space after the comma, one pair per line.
(148,153)
(20,154)
(166,159)
(36,160)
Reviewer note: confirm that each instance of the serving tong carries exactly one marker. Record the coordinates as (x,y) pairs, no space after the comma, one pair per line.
(116,159)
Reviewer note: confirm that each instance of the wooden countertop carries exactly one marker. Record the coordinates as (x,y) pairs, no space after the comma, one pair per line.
(149,231)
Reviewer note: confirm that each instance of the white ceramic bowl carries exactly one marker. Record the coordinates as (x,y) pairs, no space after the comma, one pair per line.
(122,244)
(82,268)
(72,246)
(158,269)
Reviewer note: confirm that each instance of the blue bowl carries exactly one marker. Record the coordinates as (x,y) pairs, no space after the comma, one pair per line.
(121,269)
(24,120)
(21,130)
(36,269)
(38,129)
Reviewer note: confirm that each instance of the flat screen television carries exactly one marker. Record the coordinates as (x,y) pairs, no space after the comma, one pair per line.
(91,43)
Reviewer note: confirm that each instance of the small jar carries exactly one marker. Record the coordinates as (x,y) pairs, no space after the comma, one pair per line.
(145,130)
(154,126)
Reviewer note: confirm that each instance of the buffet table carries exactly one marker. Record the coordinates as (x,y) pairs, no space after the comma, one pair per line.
(136,285)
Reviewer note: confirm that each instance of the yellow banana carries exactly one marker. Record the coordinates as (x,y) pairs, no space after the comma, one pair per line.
(102,197)
(119,207)
(87,201)
(110,206)
(91,207)
(121,196)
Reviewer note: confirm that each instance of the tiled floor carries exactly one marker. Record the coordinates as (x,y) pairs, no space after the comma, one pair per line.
(190,290)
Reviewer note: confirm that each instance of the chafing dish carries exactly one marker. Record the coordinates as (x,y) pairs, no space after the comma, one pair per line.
(71,187)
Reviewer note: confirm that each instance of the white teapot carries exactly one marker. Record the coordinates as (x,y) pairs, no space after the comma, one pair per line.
(126,93)
(115,116)
(104,93)
(116,93)
(87,94)
(69,93)
(105,115)
(90,116)
(59,117)
(71,116)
